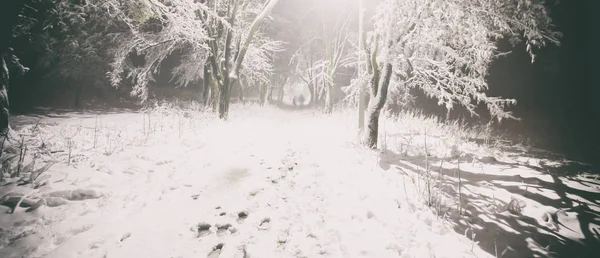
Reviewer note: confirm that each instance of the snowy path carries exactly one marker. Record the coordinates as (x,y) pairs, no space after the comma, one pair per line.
(280,184)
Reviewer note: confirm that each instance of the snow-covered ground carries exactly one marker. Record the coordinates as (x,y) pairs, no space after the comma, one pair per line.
(277,183)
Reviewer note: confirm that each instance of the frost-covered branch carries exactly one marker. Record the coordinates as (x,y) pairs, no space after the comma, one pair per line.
(445,48)
(258,65)
(155,31)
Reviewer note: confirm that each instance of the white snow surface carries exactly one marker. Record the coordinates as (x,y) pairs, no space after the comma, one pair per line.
(303,184)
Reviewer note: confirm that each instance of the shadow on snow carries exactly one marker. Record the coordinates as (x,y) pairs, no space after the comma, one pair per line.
(504,234)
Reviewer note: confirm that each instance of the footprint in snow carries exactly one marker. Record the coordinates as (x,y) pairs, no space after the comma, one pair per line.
(203,229)
(370,215)
(253,193)
(216,251)
(223,229)
(242,217)
(125,236)
(265,224)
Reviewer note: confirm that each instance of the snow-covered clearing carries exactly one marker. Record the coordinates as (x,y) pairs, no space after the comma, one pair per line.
(277,183)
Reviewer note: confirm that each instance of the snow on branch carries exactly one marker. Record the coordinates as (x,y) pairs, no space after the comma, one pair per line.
(156,29)
(445,48)
(258,64)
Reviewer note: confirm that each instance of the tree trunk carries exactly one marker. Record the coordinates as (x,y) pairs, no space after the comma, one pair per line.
(329,99)
(311,93)
(321,98)
(205,97)
(280,93)
(241,93)
(372,127)
(224,97)
(262,94)
(4,105)
(379,90)
(361,95)
(270,94)
(214,95)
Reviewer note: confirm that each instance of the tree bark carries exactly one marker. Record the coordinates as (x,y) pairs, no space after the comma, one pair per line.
(240,91)
(262,93)
(372,127)
(224,97)
(281,82)
(280,93)
(4,105)
(311,93)
(379,92)
(214,95)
